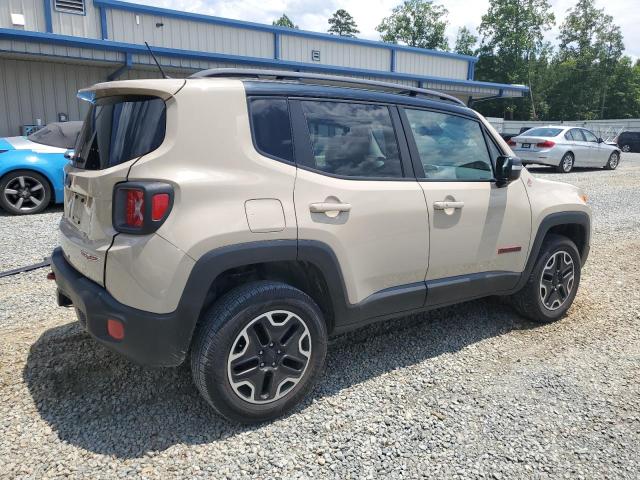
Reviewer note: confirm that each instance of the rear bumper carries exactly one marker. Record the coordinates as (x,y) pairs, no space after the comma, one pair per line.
(538,158)
(150,338)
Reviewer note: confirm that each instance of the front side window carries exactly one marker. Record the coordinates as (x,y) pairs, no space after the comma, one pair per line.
(450,147)
(589,136)
(352,140)
(118,129)
(271,127)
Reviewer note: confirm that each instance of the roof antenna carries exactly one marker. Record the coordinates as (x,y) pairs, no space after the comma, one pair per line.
(164,75)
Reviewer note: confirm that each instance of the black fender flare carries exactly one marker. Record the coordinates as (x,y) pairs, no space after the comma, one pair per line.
(215,262)
(553,220)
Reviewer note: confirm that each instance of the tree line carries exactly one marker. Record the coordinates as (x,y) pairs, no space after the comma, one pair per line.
(584,74)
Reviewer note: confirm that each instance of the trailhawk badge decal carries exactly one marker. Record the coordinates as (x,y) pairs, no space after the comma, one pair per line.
(88,256)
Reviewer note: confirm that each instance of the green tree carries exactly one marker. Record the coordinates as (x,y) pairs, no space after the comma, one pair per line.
(512,41)
(624,85)
(342,23)
(465,41)
(591,46)
(284,21)
(417,23)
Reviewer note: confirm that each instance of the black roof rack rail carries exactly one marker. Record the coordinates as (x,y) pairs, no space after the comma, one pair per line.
(326,79)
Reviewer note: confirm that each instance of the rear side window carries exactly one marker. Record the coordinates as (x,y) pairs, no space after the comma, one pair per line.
(118,129)
(271,127)
(450,147)
(352,139)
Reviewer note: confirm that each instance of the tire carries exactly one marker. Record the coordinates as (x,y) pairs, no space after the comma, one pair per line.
(24,192)
(626,148)
(613,162)
(529,302)
(235,326)
(566,164)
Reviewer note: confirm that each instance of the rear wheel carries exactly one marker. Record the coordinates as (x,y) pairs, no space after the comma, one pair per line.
(566,164)
(613,162)
(553,282)
(626,148)
(23,192)
(259,351)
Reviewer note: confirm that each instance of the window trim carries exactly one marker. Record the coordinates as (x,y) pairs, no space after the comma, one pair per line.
(415,155)
(253,129)
(304,149)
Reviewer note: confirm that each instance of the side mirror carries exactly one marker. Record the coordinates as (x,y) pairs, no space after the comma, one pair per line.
(600,140)
(507,170)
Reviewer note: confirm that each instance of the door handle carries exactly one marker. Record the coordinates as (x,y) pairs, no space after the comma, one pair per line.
(446,205)
(324,207)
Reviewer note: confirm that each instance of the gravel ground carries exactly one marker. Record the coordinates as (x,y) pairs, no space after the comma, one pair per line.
(472,391)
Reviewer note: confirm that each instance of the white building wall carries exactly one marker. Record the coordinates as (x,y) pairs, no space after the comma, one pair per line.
(31,90)
(130,27)
(431,65)
(33,11)
(87,26)
(299,49)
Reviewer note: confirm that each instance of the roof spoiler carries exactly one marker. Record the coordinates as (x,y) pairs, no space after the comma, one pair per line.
(323,79)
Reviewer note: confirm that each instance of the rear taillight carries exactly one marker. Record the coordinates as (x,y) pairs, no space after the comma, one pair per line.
(159,206)
(546,144)
(511,143)
(134,207)
(141,207)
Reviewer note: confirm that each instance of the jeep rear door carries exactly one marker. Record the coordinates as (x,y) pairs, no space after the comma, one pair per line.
(355,192)
(478,232)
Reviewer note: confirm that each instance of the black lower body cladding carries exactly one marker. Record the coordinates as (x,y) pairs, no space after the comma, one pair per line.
(150,338)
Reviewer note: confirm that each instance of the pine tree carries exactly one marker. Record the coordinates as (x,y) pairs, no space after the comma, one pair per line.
(342,23)
(284,21)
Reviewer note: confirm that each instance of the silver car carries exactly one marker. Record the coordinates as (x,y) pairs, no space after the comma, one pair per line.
(564,147)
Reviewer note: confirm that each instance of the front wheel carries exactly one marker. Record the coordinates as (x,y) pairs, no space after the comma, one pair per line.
(626,148)
(553,282)
(23,192)
(258,351)
(566,164)
(613,162)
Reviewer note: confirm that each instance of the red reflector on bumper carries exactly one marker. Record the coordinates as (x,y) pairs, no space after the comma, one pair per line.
(115,329)
(51,276)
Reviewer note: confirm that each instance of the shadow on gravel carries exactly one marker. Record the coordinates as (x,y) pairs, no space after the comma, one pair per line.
(542,169)
(99,401)
(51,209)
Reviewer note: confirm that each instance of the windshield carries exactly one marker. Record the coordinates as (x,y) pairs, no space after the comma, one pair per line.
(58,134)
(543,132)
(118,129)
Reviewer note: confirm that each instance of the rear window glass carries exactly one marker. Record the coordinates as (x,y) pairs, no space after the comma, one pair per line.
(271,127)
(352,140)
(118,129)
(542,132)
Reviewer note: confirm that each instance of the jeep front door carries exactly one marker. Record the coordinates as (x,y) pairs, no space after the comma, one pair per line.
(478,232)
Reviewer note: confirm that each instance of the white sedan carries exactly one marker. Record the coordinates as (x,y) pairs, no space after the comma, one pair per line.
(564,147)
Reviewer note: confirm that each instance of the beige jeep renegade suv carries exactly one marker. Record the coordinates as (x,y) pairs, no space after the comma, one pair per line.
(239,218)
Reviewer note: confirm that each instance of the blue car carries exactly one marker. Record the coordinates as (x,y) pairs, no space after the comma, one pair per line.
(32,168)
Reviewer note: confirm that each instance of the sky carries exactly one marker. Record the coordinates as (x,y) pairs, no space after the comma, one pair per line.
(313,14)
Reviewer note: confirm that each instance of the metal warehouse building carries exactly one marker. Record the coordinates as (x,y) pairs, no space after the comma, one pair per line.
(51,48)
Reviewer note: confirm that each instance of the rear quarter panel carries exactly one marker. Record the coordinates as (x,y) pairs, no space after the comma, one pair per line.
(210,159)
